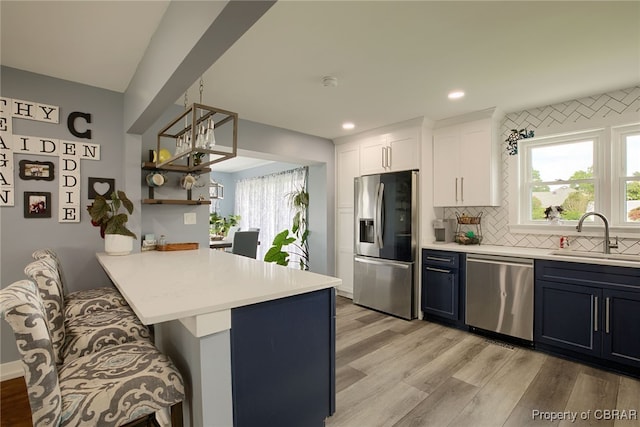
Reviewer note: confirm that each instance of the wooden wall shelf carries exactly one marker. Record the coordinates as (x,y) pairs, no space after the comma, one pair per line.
(174,202)
(172,168)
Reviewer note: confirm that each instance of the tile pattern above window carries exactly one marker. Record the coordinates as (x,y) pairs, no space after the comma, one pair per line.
(495,220)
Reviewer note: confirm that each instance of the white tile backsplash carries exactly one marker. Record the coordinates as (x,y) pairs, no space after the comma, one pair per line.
(495,220)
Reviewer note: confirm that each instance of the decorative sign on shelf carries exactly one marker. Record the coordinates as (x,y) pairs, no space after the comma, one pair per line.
(69,154)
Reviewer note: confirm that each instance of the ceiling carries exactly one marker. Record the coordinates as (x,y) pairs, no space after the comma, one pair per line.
(393,60)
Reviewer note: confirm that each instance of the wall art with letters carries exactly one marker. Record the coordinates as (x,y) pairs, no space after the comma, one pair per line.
(69,153)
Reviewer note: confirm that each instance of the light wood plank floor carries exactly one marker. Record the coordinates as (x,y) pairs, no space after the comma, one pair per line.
(395,373)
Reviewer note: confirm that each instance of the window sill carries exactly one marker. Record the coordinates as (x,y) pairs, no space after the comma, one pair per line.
(627,231)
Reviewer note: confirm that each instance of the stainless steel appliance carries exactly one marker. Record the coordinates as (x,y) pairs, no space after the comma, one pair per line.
(385,243)
(499,295)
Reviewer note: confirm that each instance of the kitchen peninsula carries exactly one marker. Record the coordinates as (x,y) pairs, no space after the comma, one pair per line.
(255,341)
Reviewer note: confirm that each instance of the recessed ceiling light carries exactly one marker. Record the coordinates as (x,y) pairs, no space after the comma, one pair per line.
(457,94)
(348,126)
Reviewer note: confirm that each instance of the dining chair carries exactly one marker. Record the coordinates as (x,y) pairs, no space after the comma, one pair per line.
(111,387)
(77,336)
(229,237)
(83,301)
(245,243)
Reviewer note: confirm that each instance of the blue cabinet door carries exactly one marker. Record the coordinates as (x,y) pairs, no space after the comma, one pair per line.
(621,339)
(283,361)
(440,292)
(567,316)
(443,286)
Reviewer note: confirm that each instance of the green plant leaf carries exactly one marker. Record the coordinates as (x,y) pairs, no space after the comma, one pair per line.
(128,204)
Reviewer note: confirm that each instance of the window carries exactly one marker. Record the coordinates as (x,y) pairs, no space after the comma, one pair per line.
(581,172)
(263,203)
(560,172)
(629,177)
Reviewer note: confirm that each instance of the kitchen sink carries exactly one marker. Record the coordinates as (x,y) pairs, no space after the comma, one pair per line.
(600,255)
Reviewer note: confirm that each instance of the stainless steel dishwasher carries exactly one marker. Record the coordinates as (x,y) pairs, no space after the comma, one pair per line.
(499,294)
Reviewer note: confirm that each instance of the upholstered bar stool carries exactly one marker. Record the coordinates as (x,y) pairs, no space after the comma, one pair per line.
(82,334)
(83,301)
(111,387)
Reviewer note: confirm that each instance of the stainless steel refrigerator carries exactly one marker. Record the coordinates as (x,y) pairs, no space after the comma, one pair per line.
(385,243)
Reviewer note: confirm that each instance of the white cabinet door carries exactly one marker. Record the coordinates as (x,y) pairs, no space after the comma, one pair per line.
(347,168)
(373,155)
(446,149)
(466,166)
(403,150)
(476,167)
(344,253)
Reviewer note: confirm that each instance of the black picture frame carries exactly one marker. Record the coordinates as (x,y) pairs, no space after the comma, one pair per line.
(32,169)
(96,184)
(37,204)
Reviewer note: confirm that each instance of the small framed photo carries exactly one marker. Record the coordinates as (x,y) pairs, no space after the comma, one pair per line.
(31,169)
(37,204)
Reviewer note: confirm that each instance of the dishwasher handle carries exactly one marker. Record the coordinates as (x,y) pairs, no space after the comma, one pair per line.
(516,262)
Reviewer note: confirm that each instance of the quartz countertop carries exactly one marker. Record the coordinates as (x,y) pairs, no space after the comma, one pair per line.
(536,253)
(164,286)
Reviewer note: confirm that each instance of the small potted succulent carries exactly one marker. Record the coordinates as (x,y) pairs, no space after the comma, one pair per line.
(105,213)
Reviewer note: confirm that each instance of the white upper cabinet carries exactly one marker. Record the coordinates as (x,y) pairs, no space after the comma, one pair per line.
(394,151)
(466,164)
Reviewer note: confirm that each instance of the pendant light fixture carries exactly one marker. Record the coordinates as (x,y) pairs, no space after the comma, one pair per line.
(190,137)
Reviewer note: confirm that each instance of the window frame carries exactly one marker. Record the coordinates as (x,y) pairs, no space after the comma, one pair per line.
(609,160)
(618,177)
(525,171)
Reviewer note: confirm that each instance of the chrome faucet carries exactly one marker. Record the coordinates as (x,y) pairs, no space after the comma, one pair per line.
(606,245)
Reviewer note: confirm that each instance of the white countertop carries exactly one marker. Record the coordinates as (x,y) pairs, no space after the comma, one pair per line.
(535,253)
(164,286)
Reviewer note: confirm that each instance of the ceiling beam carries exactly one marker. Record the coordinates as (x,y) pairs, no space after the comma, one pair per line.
(190,38)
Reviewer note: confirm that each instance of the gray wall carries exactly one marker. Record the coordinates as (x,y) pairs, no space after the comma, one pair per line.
(169,219)
(317,153)
(76,243)
(121,156)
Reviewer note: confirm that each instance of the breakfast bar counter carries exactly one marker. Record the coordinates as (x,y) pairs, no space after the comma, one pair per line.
(238,329)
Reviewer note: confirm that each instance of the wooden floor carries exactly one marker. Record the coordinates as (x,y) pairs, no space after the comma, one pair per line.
(394,373)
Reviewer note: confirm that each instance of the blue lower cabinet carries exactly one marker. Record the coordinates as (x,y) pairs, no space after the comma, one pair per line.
(283,361)
(566,317)
(443,286)
(590,311)
(621,339)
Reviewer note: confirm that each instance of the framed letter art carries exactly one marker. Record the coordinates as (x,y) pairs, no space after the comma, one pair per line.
(31,169)
(37,204)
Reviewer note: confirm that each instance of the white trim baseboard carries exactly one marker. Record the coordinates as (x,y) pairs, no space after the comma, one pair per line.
(11,370)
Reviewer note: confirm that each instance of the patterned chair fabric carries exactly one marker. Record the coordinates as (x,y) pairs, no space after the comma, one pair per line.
(111,387)
(81,335)
(41,274)
(23,310)
(81,302)
(118,385)
(94,332)
(88,301)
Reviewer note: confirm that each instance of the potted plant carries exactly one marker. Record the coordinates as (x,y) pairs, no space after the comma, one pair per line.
(219,225)
(105,213)
(298,236)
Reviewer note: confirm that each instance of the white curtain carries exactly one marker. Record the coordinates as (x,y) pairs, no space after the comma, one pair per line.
(263,203)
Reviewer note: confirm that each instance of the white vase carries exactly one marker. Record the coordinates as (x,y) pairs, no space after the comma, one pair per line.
(117,244)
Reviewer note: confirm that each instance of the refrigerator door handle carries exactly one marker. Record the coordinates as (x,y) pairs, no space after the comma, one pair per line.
(379,216)
(401,265)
